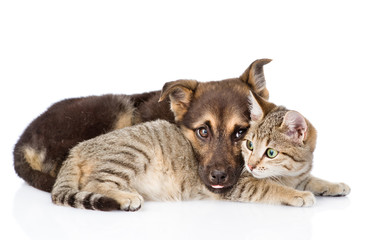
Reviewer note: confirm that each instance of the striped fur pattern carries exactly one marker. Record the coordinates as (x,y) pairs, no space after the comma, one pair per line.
(44,145)
(279,148)
(121,169)
(112,172)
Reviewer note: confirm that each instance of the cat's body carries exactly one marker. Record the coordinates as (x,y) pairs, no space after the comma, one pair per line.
(154,161)
(279,147)
(112,172)
(46,142)
(151,161)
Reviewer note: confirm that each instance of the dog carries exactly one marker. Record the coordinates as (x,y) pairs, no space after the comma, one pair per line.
(214,116)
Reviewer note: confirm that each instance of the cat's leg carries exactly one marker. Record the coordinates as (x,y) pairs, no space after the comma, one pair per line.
(250,189)
(128,198)
(322,187)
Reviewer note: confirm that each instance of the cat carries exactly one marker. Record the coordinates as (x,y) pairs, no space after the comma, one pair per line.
(112,172)
(279,147)
(118,170)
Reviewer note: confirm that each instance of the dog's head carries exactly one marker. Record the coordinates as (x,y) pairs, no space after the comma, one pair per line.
(214,116)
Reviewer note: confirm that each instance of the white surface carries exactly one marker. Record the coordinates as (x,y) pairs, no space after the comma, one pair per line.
(322,68)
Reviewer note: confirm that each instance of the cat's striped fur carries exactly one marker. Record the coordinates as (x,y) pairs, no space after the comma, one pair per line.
(113,172)
(293,139)
(151,161)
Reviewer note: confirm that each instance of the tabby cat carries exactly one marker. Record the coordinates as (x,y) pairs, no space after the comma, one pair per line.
(279,148)
(112,172)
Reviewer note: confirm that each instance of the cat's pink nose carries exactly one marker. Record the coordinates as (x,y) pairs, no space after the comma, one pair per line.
(250,167)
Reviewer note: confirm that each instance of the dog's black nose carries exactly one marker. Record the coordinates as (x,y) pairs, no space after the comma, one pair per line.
(218,177)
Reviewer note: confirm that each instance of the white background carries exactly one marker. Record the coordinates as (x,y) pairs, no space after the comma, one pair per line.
(322,66)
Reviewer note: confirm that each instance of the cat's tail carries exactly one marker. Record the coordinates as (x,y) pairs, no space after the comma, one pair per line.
(66,192)
(85,200)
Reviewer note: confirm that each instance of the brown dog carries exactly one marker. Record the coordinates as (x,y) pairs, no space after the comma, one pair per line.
(214,116)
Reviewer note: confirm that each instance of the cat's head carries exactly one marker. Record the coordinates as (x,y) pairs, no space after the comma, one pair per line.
(279,143)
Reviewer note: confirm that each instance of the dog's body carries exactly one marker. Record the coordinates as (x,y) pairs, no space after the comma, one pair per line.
(45,143)
(212,115)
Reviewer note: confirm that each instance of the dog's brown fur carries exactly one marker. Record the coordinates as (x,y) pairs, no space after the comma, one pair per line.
(219,110)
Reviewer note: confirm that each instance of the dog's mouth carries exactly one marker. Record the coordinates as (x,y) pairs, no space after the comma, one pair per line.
(218,188)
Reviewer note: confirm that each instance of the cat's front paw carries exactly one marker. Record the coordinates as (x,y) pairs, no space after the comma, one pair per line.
(131,202)
(333,189)
(302,199)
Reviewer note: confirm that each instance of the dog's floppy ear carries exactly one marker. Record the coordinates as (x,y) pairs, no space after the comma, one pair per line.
(180,93)
(255,78)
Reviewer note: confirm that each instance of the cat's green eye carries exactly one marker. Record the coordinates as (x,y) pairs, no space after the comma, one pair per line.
(250,145)
(271,153)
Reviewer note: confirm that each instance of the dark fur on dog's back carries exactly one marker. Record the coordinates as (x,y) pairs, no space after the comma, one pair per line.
(61,127)
(45,144)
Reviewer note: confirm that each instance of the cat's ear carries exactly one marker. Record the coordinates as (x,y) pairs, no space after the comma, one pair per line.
(295,126)
(259,107)
(255,78)
(256,110)
(180,93)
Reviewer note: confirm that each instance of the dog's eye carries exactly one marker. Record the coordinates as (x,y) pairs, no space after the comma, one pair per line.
(239,133)
(202,132)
